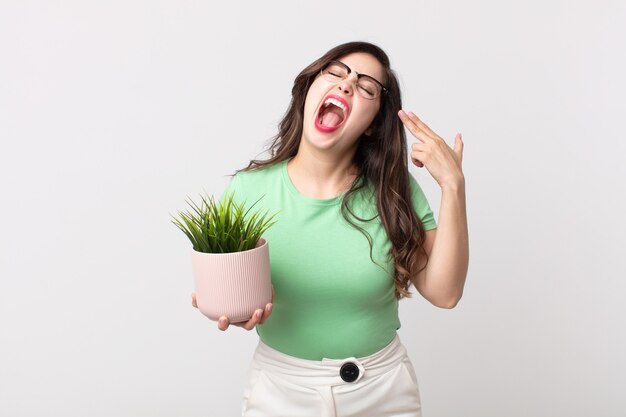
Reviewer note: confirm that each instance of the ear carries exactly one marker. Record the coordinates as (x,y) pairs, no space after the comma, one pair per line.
(368,131)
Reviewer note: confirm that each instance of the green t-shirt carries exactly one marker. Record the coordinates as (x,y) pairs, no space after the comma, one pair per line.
(330,299)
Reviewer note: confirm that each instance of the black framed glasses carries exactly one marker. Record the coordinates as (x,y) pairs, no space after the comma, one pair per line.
(366,86)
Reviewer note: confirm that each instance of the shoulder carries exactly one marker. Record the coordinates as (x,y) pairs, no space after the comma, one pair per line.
(421,205)
(415,187)
(258,176)
(250,183)
(417,194)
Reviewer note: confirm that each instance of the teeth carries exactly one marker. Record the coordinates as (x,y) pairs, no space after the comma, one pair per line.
(336,102)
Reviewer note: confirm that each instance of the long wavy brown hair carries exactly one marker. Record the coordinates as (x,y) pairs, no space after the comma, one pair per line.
(381,159)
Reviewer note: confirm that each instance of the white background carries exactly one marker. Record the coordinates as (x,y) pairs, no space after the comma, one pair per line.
(112,113)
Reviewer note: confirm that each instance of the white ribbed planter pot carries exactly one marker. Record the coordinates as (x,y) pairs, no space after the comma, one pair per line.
(232,284)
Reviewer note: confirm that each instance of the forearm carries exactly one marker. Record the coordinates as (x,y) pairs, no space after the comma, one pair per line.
(449,258)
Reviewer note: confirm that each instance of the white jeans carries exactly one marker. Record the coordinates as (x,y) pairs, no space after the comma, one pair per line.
(382,385)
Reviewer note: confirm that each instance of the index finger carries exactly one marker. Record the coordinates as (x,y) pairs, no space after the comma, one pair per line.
(413,117)
(415,130)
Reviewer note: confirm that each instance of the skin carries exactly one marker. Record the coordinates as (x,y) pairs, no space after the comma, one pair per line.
(257,318)
(443,279)
(323,168)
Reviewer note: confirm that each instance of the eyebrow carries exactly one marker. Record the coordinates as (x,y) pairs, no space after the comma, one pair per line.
(360,73)
(357,73)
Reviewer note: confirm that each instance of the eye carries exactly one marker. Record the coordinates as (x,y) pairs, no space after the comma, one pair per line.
(335,71)
(367,87)
(367,90)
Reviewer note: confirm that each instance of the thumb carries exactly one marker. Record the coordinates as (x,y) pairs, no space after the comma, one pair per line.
(458,146)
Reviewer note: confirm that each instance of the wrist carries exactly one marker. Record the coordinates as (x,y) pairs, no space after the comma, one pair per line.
(457,184)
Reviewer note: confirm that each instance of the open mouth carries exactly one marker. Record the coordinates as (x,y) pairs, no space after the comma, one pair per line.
(331,114)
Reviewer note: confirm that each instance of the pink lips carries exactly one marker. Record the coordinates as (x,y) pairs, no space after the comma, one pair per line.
(327,129)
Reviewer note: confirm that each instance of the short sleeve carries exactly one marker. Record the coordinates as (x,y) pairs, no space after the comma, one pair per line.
(420,203)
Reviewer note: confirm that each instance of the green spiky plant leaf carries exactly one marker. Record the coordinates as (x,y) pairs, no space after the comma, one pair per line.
(223,226)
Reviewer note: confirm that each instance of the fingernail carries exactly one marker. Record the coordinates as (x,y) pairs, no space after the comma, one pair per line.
(258,314)
(269,308)
(402,113)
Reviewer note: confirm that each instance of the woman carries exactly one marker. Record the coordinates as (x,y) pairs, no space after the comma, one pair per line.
(353,233)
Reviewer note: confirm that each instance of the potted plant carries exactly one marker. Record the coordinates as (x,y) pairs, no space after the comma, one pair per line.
(230,259)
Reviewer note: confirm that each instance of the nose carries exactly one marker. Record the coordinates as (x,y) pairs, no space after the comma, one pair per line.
(348,84)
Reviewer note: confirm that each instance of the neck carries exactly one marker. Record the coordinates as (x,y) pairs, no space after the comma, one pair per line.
(321,175)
